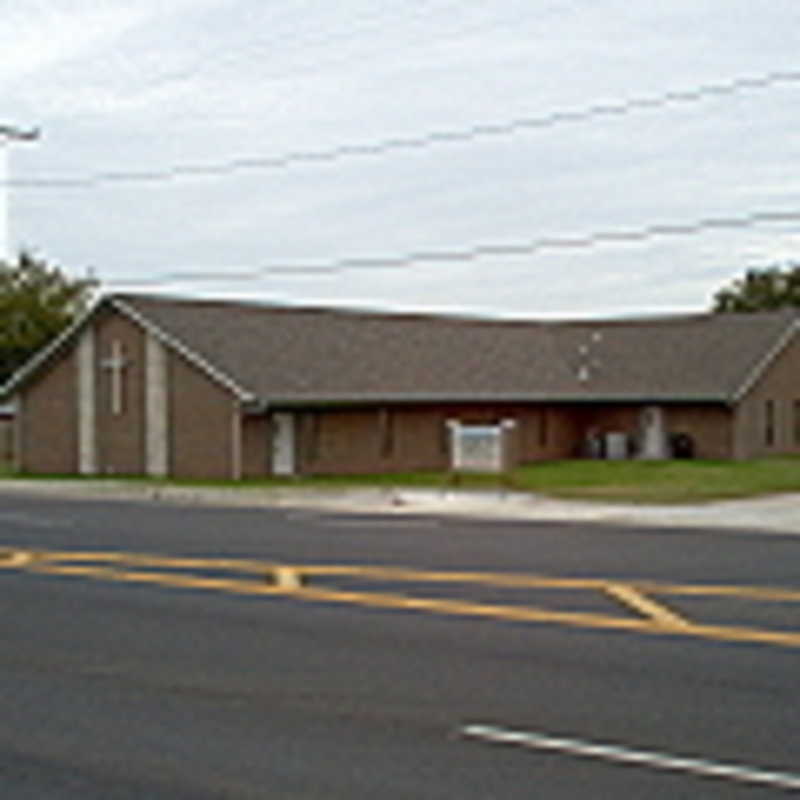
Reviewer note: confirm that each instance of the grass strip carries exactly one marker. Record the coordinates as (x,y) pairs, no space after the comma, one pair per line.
(664,482)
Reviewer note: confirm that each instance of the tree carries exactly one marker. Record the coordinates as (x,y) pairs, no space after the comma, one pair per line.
(37,301)
(762,290)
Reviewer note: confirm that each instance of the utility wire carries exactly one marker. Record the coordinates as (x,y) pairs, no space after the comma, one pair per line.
(480,251)
(421,141)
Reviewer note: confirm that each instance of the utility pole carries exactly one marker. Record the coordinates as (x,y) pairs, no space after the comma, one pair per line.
(8,135)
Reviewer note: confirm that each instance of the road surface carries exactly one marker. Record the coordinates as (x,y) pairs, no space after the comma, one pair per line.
(346,656)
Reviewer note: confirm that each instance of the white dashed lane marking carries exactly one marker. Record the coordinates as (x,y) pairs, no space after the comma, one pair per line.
(624,755)
(328,521)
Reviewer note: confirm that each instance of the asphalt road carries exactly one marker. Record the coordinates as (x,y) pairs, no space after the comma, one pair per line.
(116,688)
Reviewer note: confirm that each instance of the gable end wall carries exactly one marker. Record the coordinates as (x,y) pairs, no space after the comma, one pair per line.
(203,424)
(779,383)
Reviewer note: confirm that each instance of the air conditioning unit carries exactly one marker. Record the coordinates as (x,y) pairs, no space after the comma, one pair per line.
(616,446)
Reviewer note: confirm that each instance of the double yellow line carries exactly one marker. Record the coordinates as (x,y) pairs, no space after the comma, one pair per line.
(256,577)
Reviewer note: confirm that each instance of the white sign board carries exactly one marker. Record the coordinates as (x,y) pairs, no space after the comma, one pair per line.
(477,448)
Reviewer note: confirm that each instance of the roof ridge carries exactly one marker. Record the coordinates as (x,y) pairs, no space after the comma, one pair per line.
(274,306)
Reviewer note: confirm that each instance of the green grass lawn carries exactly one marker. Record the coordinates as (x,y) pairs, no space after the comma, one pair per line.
(608,481)
(661,482)
(621,481)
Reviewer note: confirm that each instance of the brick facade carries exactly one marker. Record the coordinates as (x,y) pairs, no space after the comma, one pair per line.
(46,423)
(204,432)
(6,441)
(201,416)
(409,438)
(256,461)
(768,416)
(202,419)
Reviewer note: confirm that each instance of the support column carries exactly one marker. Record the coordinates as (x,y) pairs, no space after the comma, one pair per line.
(18,457)
(156,421)
(654,446)
(236,441)
(87,404)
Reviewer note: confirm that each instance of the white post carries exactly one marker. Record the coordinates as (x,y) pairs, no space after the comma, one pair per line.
(5,245)
(156,408)
(8,134)
(87,404)
(654,435)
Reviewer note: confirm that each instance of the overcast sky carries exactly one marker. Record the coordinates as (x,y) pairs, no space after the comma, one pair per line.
(151,87)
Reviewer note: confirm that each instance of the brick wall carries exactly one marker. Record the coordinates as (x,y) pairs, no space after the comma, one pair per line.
(352,441)
(47,422)
(255,447)
(710,428)
(6,442)
(780,387)
(201,423)
(408,438)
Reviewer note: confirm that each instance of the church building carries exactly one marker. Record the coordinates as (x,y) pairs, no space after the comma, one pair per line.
(163,386)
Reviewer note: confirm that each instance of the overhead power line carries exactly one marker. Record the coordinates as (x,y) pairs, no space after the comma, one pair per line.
(420,141)
(481,251)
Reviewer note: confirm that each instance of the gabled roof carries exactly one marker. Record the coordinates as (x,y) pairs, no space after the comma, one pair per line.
(282,354)
(277,355)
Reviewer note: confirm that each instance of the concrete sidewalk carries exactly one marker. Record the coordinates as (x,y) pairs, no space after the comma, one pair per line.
(777,513)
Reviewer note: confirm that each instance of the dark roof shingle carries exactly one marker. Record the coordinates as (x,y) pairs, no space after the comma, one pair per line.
(285,354)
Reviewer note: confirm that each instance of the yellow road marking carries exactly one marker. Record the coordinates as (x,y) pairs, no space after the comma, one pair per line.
(747,592)
(499,579)
(511,580)
(160,579)
(287,580)
(15,558)
(634,599)
(143,559)
(502,579)
(437,606)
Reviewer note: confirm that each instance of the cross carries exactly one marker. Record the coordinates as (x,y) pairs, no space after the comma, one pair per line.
(115,364)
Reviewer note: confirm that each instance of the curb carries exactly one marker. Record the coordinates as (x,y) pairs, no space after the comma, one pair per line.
(774,513)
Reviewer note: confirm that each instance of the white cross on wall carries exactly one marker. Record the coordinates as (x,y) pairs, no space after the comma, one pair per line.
(116,364)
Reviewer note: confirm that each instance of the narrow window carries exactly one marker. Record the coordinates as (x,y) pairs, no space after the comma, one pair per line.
(769,423)
(312,442)
(386,432)
(796,422)
(543,432)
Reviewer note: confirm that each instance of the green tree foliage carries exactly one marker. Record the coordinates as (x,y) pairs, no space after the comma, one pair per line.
(762,290)
(37,301)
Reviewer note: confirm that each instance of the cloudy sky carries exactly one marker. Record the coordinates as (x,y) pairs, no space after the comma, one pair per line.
(211,147)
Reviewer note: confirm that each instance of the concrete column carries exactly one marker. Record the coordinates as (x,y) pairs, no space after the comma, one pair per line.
(156,416)
(87,404)
(18,457)
(654,446)
(236,441)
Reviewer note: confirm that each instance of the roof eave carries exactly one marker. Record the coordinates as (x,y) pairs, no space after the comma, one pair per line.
(761,367)
(427,398)
(30,367)
(172,342)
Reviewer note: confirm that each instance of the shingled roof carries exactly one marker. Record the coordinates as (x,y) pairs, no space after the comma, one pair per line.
(284,355)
